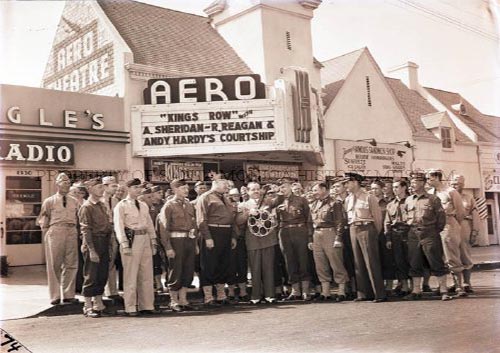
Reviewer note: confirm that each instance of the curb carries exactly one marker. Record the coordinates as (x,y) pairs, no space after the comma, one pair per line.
(486,265)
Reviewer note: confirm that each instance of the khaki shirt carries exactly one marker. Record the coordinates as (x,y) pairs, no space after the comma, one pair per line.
(471,213)
(328,213)
(53,211)
(451,202)
(363,207)
(395,213)
(94,221)
(295,210)
(214,208)
(176,216)
(425,210)
(127,215)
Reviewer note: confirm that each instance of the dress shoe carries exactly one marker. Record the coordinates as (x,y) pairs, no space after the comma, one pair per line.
(224,302)
(306,297)
(446,297)
(292,297)
(55,302)
(254,301)
(379,300)
(315,296)
(461,293)
(71,301)
(94,314)
(176,308)
(191,286)
(188,307)
(358,299)
(270,300)
(212,304)
(468,289)
(452,289)
(322,298)
(413,296)
(245,298)
(126,313)
(340,298)
(426,288)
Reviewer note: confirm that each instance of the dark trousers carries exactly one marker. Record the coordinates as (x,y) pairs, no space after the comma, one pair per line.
(239,266)
(386,258)
(95,274)
(280,274)
(425,250)
(369,279)
(348,254)
(293,243)
(215,262)
(158,263)
(262,269)
(181,269)
(400,251)
(79,273)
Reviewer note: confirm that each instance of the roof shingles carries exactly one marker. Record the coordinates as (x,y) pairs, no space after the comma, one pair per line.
(181,43)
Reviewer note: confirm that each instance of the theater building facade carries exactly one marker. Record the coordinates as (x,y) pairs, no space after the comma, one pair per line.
(43,132)
(197,98)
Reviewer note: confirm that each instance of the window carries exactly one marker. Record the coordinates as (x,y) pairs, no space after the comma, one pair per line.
(288,41)
(446,137)
(368,92)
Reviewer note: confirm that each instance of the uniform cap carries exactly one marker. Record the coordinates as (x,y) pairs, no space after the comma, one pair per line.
(198,183)
(109,180)
(155,188)
(234,191)
(286,180)
(133,182)
(418,176)
(354,177)
(92,182)
(176,183)
(146,191)
(61,177)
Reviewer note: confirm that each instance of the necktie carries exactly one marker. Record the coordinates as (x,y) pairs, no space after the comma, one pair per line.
(399,214)
(110,204)
(64,201)
(137,205)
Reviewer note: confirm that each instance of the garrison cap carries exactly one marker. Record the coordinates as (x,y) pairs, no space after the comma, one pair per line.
(146,191)
(61,177)
(286,180)
(176,183)
(155,188)
(133,182)
(92,182)
(350,176)
(418,176)
(234,191)
(109,180)
(338,180)
(199,183)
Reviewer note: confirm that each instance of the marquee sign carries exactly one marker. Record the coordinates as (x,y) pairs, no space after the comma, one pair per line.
(380,160)
(204,89)
(264,172)
(177,129)
(33,152)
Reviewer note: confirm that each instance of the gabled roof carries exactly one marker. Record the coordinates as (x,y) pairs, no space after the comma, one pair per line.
(337,69)
(417,106)
(487,127)
(181,43)
(330,92)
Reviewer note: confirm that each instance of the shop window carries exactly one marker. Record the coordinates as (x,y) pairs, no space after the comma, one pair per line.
(446,137)
(23,196)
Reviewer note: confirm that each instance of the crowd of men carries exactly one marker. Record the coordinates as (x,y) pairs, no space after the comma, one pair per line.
(368,241)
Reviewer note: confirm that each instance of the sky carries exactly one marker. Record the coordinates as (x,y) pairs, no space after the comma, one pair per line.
(455,42)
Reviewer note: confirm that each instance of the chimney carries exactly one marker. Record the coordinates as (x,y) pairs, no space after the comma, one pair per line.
(408,73)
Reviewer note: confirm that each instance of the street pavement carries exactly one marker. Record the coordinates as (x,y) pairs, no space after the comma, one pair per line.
(467,325)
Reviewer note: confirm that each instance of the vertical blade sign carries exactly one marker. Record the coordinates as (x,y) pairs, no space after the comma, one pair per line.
(302,107)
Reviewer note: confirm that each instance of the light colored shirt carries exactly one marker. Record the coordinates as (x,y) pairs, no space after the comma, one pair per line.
(127,215)
(53,211)
(451,202)
(471,213)
(363,207)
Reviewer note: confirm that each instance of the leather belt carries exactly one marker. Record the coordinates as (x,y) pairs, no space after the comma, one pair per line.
(140,231)
(63,225)
(220,225)
(361,223)
(329,227)
(179,234)
(295,225)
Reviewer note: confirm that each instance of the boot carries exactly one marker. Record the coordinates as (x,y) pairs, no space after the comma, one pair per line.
(443,288)
(98,304)
(230,292)
(325,290)
(295,295)
(221,294)
(305,291)
(183,299)
(460,290)
(174,301)
(158,284)
(467,285)
(341,291)
(243,292)
(207,293)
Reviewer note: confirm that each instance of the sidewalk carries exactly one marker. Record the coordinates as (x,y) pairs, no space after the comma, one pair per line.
(24,293)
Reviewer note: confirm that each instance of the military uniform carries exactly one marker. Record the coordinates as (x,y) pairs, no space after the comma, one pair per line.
(216,218)
(58,220)
(295,232)
(396,231)
(469,226)
(329,223)
(178,232)
(365,224)
(138,266)
(386,255)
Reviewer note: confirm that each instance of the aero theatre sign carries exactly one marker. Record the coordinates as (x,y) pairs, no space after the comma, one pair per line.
(201,115)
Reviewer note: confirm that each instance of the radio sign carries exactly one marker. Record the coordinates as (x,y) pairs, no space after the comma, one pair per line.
(204,89)
(24,152)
